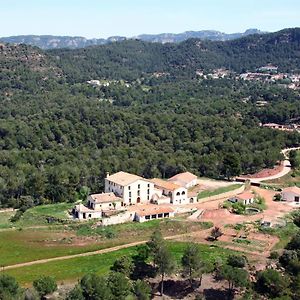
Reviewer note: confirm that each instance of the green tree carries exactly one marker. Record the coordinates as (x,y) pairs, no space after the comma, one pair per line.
(272,283)
(76,293)
(142,290)
(235,277)
(191,263)
(119,285)
(236,261)
(162,257)
(9,287)
(94,287)
(123,265)
(45,285)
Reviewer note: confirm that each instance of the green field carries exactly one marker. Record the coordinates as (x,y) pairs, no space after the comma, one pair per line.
(28,244)
(72,269)
(218,191)
(38,214)
(5,219)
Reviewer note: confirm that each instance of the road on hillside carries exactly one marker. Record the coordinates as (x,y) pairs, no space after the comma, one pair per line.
(286,168)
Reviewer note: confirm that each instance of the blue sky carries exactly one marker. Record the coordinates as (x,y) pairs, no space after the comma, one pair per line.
(98,18)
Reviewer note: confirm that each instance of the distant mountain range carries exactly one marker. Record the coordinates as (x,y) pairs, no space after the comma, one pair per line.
(55,42)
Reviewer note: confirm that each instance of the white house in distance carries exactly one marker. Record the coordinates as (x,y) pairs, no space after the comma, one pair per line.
(185,179)
(245,198)
(291,194)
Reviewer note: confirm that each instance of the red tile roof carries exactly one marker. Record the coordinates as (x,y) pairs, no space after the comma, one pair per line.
(293,189)
(183,178)
(165,184)
(105,198)
(147,210)
(245,196)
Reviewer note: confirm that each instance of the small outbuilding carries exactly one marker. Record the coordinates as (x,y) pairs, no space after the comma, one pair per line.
(152,212)
(245,198)
(291,194)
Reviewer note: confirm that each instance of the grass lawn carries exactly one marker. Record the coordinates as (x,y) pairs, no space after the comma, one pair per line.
(73,269)
(4,219)
(218,191)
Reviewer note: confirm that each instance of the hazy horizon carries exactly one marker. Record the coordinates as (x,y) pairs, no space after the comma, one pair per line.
(100,19)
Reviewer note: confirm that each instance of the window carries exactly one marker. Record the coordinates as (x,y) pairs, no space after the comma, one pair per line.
(148,185)
(148,191)
(139,186)
(177,194)
(160,215)
(138,192)
(183,193)
(129,188)
(148,197)
(153,216)
(147,217)
(129,194)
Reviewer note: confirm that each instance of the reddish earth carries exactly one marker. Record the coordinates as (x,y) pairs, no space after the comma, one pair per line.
(266,172)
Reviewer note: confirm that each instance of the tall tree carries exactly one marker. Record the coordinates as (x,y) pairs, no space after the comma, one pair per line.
(191,263)
(162,257)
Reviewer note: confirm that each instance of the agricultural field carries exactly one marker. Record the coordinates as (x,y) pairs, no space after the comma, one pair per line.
(72,269)
(34,239)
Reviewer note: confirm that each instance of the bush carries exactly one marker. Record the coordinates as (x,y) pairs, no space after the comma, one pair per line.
(236,261)
(45,285)
(274,255)
(9,287)
(272,283)
(238,208)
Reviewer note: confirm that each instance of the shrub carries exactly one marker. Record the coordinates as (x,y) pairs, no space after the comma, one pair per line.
(9,287)
(236,261)
(45,285)
(274,255)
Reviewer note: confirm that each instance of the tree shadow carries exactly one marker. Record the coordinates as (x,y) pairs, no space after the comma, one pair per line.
(215,294)
(142,270)
(177,289)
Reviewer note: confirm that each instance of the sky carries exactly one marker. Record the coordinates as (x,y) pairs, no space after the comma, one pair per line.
(104,18)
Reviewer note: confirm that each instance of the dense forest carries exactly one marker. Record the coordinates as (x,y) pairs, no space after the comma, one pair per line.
(59,133)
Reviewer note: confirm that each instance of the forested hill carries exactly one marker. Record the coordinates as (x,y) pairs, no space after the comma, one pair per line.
(59,133)
(132,59)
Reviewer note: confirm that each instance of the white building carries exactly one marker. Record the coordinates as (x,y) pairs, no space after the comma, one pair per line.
(131,188)
(291,194)
(176,193)
(185,179)
(245,198)
(153,212)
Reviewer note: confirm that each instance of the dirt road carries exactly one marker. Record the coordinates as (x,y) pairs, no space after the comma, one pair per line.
(102,251)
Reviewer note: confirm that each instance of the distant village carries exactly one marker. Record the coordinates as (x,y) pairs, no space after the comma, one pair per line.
(268,73)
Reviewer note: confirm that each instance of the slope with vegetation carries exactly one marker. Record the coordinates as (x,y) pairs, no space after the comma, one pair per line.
(59,133)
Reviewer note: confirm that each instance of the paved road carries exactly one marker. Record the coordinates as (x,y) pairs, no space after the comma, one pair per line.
(286,168)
